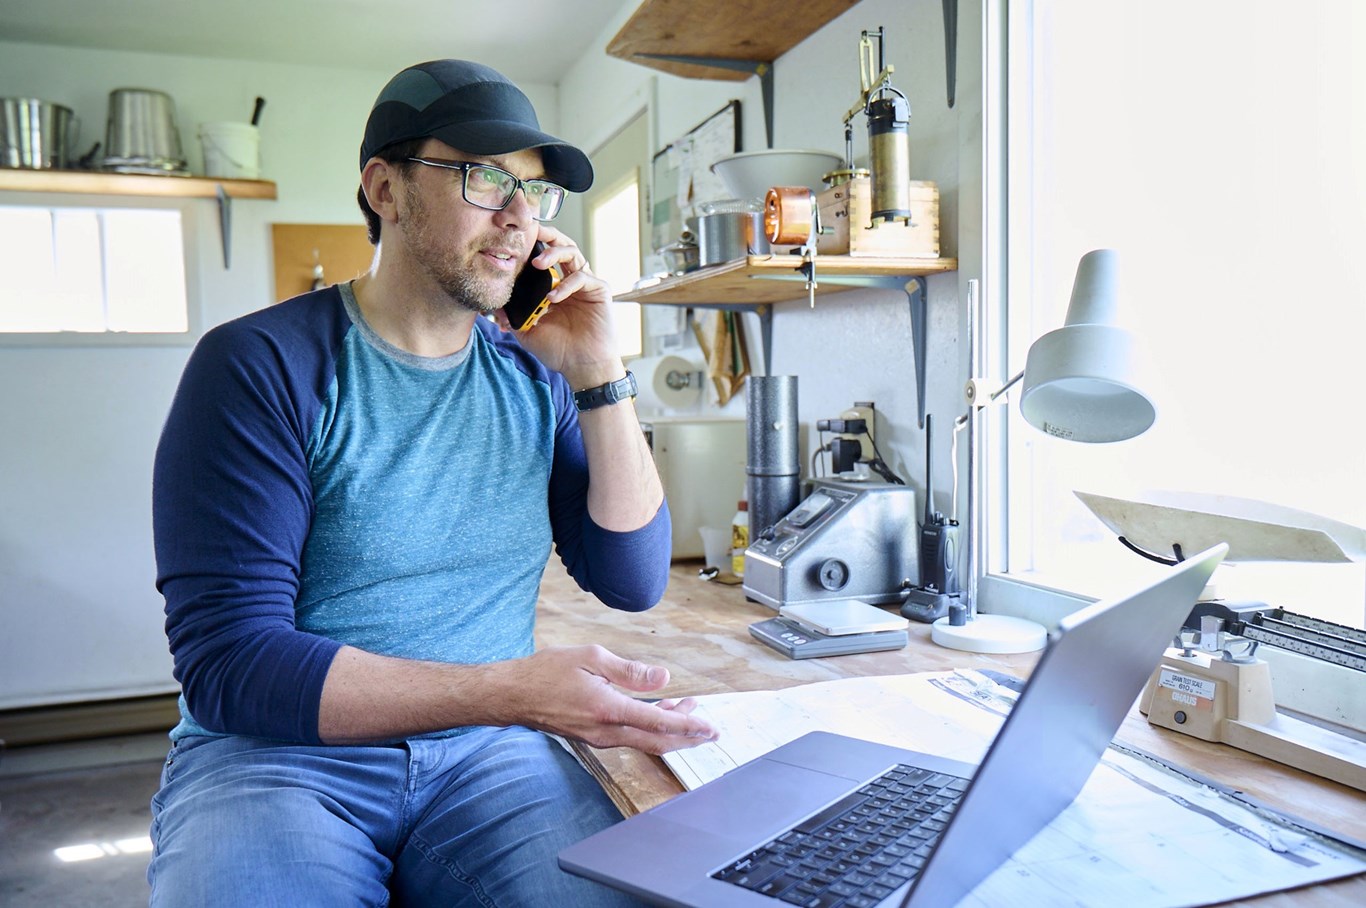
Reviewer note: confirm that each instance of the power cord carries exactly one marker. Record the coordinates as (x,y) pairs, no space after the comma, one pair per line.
(815,457)
(879,466)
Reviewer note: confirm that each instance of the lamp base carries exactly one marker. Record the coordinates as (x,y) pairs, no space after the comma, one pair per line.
(990,634)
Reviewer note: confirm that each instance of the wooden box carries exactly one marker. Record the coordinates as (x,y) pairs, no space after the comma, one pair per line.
(846,208)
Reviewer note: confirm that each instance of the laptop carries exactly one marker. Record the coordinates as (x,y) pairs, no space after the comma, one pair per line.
(830,821)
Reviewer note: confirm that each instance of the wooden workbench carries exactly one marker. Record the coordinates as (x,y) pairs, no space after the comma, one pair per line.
(699,632)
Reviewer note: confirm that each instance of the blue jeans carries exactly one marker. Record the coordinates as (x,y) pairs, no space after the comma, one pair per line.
(475,819)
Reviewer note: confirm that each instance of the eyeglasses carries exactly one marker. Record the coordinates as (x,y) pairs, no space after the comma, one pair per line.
(492,187)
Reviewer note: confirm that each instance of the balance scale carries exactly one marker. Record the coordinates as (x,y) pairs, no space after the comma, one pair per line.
(1211,684)
(1222,693)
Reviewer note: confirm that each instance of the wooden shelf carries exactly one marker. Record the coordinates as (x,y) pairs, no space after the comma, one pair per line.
(761,279)
(722,30)
(93,183)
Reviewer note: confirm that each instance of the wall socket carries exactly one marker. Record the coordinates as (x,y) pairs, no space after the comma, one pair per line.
(864,410)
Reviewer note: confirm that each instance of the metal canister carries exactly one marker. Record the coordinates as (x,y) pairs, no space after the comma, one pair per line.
(889,144)
(34,134)
(142,136)
(730,229)
(772,464)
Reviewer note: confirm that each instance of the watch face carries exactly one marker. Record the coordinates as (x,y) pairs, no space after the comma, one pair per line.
(623,389)
(610,393)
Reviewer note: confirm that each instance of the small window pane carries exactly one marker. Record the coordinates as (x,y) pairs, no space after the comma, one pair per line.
(144,272)
(27,264)
(78,301)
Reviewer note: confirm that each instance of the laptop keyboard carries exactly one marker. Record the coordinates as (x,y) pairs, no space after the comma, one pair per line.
(858,850)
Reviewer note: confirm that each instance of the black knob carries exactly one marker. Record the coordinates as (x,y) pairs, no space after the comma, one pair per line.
(834,574)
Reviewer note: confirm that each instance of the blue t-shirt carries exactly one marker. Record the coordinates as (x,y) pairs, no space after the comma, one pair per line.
(316,487)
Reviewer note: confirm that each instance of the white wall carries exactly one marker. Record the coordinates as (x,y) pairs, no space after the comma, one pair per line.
(856,345)
(79,616)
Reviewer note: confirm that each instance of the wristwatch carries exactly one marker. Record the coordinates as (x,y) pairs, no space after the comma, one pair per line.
(610,393)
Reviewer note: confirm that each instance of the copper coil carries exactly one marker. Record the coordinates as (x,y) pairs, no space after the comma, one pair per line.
(789,214)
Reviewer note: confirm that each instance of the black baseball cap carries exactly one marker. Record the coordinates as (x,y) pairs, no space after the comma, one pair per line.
(471,107)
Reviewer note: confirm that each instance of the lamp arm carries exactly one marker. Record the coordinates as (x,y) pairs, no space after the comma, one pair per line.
(978,398)
(1006,387)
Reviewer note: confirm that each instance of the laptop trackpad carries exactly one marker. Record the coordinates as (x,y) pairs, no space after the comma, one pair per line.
(759,796)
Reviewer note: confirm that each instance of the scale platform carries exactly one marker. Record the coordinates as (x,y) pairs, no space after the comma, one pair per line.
(834,628)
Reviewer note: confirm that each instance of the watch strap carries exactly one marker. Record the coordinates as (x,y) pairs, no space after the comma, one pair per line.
(604,395)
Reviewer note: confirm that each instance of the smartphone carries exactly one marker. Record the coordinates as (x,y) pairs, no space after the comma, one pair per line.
(528,301)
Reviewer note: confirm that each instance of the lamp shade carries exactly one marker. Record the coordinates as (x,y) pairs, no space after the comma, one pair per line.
(1080,379)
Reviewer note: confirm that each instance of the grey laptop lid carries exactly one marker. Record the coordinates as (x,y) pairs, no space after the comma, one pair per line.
(1071,706)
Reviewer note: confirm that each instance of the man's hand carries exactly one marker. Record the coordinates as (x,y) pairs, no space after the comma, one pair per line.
(575,336)
(569,691)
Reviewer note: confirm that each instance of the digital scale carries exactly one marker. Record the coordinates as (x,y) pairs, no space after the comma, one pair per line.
(834,628)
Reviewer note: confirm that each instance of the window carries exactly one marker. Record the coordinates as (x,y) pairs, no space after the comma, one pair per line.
(615,223)
(91,271)
(1217,147)
(616,254)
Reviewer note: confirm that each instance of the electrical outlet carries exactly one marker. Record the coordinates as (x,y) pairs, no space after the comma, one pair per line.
(865,411)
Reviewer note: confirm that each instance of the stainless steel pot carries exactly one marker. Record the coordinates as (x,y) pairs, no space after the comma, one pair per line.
(36,135)
(730,229)
(141,136)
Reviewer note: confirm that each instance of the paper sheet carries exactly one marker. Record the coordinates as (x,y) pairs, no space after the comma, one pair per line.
(1138,835)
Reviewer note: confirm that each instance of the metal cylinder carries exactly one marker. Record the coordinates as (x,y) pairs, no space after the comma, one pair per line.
(889,144)
(141,135)
(34,134)
(773,464)
(789,215)
(771,498)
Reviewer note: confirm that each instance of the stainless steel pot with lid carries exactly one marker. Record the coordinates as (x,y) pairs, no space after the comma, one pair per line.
(36,135)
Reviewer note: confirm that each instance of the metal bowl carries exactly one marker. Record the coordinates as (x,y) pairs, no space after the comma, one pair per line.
(751,174)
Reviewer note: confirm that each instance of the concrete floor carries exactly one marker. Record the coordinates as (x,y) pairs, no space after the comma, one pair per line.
(78,800)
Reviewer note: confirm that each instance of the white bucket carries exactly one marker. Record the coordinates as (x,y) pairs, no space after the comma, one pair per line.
(231,150)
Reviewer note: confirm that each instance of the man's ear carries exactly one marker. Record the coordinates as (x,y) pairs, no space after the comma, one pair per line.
(378,181)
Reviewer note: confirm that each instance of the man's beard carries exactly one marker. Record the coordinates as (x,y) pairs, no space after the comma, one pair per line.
(456,280)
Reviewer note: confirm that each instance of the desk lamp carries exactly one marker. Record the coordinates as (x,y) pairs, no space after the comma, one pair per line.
(1078,385)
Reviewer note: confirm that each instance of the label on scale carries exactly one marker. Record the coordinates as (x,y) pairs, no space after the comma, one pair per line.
(1188,690)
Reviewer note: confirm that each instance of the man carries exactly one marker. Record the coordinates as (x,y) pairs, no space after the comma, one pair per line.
(355,495)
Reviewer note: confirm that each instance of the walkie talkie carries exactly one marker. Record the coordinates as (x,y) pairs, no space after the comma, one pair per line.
(938,552)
